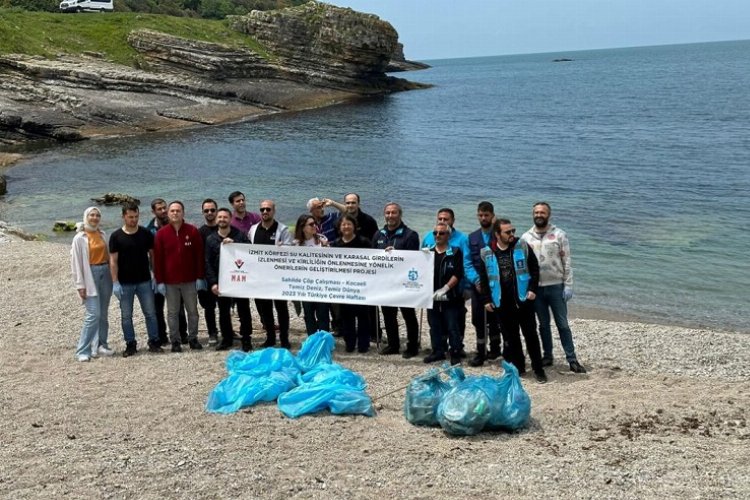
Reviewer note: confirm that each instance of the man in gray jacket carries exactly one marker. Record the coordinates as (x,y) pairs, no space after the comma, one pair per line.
(552,250)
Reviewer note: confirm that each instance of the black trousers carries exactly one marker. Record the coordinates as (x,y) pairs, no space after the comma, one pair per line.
(208,300)
(265,311)
(356,323)
(478,316)
(512,317)
(390,318)
(225,319)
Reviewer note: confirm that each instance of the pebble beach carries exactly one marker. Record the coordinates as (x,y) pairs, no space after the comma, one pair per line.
(662,413)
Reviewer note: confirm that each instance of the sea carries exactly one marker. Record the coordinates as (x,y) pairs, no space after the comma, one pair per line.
(643,153)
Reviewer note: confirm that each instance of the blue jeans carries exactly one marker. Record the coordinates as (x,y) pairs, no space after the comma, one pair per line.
(445,326)
(146,299)
(95,331)
(551,297)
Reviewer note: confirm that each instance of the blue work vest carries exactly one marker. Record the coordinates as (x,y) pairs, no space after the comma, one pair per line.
(520,265)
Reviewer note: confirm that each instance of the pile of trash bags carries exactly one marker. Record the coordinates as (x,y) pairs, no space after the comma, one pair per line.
(465,406)
(307,383)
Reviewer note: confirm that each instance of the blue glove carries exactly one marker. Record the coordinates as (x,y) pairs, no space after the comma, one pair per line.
(567,293)
(117,290)
(153,285)
(161,289)
(200,285)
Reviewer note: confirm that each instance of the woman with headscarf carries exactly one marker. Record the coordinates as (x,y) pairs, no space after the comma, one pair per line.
(89,264)
(306,235)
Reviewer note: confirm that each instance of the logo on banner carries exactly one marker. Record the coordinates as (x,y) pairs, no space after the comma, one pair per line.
(239,263)
(238,275)
(412,285)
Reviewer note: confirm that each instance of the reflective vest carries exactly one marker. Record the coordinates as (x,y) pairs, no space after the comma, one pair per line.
(520,265)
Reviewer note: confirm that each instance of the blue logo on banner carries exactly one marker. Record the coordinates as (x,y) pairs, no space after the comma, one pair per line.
(413,274)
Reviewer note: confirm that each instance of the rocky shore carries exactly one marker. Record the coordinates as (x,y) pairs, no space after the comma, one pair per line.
(662,413)
(314,55)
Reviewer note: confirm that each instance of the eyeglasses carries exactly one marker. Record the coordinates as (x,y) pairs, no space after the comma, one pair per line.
(209,210)
(509,231)
(439,233)
(265,209)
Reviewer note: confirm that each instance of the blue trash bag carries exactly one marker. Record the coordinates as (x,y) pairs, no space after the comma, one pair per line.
(332,374)
(338,398)
(316,349)
(240,390)
(466,408)
(516,407)
(423,396)
(261,362)
(455,374)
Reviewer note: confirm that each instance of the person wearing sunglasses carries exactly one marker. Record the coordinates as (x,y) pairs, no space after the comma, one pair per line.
(206,299)
(447,300)
(269,231)
(509,273)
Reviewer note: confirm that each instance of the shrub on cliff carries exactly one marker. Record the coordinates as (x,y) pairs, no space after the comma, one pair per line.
(212,9)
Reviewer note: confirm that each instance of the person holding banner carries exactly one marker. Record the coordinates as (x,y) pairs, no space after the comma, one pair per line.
(395,235)
(447,305)
(306,234)
(226,233)
(269,231)
(355,318)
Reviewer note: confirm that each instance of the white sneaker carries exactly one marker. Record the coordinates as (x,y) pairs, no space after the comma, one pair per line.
(105,351)
(93,354)
(83,358)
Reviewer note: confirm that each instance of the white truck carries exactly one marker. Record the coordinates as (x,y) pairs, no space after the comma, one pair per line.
(86,5)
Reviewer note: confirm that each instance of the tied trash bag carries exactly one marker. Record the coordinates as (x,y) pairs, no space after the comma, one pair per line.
(239,390)
(316,349)
(465,409)
(516,407)
(423,397)
(262,362)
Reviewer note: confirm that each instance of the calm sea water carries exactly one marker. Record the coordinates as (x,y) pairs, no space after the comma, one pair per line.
(643,153)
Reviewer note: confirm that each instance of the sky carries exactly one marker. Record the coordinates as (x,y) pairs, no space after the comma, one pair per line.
(442,29)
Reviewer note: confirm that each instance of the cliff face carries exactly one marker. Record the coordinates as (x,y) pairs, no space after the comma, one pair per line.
(315,55)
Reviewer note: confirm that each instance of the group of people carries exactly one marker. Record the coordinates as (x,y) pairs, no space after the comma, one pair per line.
(510,281)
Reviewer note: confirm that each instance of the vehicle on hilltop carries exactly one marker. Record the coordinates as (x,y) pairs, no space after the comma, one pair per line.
(86,5)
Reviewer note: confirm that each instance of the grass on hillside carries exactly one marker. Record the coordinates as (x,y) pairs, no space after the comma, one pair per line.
(48,34)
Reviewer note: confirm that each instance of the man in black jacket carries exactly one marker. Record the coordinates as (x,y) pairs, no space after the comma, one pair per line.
(226,233)
(509,283)
(396,236)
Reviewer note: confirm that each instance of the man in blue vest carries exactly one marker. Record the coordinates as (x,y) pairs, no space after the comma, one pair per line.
(482,319)
(509,274)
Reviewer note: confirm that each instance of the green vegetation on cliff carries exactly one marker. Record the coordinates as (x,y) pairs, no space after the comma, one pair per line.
(211,9)
(47,34)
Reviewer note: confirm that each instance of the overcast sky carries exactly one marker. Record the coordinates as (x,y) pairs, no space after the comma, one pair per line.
(435,29)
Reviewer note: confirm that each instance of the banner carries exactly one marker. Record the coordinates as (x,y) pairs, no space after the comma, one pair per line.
(323,274)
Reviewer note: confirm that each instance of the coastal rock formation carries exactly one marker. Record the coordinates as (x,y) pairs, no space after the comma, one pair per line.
(400,63)
(115,199)
(314,55)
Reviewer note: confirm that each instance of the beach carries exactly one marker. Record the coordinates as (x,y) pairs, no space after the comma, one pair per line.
(662,413)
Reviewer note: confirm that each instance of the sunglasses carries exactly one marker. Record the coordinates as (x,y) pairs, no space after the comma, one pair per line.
(439,233)
(265,209)
(209,210)
(509,231)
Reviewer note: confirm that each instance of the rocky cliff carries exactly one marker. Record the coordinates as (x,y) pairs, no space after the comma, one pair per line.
(314,55)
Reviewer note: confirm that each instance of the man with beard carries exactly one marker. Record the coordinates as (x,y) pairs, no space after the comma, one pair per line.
(241,218)
(161,219)
(395,235)
(269,231)
(482,319)
(366,224)
(552,249)
(206,299)
(509,274)
(179,265)
(225,233)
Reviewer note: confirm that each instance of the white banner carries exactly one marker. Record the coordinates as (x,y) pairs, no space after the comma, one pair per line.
(325,274)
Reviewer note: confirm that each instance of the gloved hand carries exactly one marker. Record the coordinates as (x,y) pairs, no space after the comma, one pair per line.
(117,290)
(200,285)
(441,295)
(567,293)
(161,289)
(426,249)
(153,285)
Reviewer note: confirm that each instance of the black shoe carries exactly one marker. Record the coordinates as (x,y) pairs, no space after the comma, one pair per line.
(494,353)
(431,358)
(223,347)
(163,341)
(547,361)
(462,354)
(576,367)
(477,360)
(183,338)
(176,347)
(455,359)
(269,342)
(540,376)
(388,350)
(285,344)
(409,353)
(195,345)
(130,350)
(155,347)
(247,345)
(213,339)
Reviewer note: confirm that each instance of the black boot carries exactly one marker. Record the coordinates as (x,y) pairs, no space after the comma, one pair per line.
(284,338)
(480,357)
(130,349)
(247,345)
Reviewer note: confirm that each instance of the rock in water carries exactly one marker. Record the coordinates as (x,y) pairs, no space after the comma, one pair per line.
(63,226)
(116,199)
